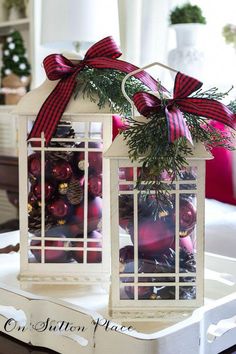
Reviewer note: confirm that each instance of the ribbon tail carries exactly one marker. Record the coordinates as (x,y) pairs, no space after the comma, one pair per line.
(177,127)
(52,109)
(208,108)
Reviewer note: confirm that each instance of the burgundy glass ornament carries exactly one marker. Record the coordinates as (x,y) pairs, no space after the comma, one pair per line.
(36,188)
(94,159)
(94,217)
(154,236)
(62,171)
(34,164)
(92,256)
(187,217)
(51,256)
(95,185)
(59,208)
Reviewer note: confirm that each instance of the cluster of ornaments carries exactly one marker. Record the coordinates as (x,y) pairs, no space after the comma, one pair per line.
(64,197)
(156,245)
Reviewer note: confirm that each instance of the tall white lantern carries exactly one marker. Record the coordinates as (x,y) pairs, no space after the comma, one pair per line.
(157,264)
(64,194)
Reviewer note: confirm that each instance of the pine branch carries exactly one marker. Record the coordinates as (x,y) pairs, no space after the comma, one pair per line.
(104,86)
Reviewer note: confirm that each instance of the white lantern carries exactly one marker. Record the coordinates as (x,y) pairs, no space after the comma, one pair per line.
(65,188)
(157,259)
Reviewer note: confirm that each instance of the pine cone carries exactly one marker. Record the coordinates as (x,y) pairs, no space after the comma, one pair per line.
(126,206)
(75,192)
(64,130)
(34,222)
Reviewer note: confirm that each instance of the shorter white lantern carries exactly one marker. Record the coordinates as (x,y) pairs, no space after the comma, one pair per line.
(157,249)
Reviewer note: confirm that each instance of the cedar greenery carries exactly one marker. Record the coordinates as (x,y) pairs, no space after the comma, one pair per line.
(187,13)
(148,140)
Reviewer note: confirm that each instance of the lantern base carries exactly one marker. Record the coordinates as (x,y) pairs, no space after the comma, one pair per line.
(28,279)
(162,315)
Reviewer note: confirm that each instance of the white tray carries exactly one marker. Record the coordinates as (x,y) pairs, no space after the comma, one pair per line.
(209,330)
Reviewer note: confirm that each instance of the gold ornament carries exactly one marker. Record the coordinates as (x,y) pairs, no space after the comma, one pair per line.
(61,222)
(163,214)
(30,208)
(153,296)
(63,188)
(183,233)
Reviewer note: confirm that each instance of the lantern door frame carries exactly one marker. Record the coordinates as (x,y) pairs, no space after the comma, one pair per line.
(69,273)
(154,309)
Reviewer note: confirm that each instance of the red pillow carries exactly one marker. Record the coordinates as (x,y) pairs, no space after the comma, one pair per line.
(219,175)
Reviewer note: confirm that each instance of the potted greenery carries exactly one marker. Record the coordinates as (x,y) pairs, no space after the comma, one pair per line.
(187,20)
(15,9)
(229,33)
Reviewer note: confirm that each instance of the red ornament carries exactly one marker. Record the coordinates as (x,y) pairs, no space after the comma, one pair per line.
(59,208)
(51,256)
(48,190)
(186,243)
(144,266)
(95,185)
(94,217)
(187,217)
(34,164)
(94,158)
(92,256)
(154,236)
(62,171)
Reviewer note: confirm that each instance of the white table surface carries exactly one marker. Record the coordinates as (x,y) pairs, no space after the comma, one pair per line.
(219,270)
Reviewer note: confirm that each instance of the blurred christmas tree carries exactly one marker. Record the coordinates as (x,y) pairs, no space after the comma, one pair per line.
(15,70)
(14,57)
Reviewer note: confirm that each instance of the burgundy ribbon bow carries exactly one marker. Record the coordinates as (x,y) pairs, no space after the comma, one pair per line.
(147,104)
(103,54)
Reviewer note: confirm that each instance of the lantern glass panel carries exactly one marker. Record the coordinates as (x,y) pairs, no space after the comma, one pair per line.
(65,195)
(155,248)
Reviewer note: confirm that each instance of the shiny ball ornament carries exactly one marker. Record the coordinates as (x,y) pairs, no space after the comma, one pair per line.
(59,208)
(154,236)
(94,256)
(144,292)
(187,217)
(94,217)
(63,188)
(94,158)
(61,171)
(186,243)
(51,256)
(36,188)
(95,185)
(34,165)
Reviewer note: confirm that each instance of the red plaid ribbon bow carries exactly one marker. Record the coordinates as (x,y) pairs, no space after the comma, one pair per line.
(147,104)
(103,54)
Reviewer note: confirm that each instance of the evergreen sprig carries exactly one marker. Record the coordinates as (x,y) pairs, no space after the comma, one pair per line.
(104,87)
(148,139)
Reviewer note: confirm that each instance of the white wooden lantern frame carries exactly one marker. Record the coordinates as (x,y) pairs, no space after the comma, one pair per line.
(84,113)
(160,309)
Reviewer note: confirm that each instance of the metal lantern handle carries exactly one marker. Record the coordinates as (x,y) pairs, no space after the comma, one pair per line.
(136,72)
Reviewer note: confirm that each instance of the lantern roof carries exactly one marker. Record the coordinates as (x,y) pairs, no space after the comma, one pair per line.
(31,103)
(120,150)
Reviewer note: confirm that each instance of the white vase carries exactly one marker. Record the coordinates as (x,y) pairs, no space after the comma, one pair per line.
(14,14)
(188,57)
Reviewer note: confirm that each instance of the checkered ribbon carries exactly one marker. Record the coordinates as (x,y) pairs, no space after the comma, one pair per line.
(103,54)
(148,104)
